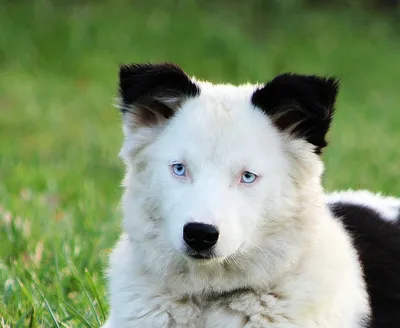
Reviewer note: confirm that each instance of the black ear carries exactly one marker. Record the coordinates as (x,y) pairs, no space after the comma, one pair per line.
(153,93)
(301,105)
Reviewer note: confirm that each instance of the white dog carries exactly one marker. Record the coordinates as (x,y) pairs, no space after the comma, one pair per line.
(226,223)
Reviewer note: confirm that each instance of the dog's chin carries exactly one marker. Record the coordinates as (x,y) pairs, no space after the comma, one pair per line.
(204,261)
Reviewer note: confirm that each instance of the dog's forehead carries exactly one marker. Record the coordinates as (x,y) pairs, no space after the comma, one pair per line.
(220,106)
(226,110)
(224,124)
(226,97)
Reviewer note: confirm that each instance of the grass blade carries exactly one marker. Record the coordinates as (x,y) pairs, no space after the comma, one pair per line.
(31,318)
(90,301)
(55,321)
(95,292)
(76,313)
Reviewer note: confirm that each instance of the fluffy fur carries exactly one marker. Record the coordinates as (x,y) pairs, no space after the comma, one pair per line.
(387,208)
(282,259)
(373,222)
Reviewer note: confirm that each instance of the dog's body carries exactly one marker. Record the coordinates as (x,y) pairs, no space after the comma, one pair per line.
(226,223)
(373,221)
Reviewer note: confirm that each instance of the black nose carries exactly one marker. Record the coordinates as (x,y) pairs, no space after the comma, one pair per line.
(200,236)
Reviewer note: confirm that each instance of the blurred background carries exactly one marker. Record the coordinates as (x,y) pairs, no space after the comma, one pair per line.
(60,135)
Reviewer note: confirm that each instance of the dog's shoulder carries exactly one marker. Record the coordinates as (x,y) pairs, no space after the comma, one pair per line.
(373,221)
(386,208)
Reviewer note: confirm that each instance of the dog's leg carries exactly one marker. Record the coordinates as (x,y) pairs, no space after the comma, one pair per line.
(158,312)
(219,315)
(137,302)
(262,310)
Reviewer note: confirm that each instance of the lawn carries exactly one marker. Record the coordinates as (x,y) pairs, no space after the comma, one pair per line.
(60,135)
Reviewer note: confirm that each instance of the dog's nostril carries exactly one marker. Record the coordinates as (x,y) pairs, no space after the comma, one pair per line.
(200,236)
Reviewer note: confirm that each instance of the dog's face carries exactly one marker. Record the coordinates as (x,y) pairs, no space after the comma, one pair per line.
(213,169)
(212,166)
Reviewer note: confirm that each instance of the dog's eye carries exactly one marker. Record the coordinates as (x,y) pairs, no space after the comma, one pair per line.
(248,177)
(179,169)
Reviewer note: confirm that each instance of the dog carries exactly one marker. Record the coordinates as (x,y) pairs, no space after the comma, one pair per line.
(226,223)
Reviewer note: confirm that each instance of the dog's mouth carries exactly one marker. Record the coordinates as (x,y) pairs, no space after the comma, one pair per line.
(200,255)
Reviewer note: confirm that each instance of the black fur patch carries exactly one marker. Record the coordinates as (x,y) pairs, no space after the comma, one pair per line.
(300,104)
(146,89)
(378,245)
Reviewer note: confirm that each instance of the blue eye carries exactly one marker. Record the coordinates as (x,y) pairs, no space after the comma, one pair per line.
(248,177)
(179,169)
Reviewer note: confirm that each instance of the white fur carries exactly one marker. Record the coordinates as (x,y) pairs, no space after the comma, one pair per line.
(283,260)
(388,207)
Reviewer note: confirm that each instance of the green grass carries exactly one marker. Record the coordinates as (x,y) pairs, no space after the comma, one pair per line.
(60,136)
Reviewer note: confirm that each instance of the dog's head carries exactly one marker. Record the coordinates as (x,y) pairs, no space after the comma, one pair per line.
(215,170)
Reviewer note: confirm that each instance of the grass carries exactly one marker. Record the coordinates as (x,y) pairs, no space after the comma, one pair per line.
(59,134)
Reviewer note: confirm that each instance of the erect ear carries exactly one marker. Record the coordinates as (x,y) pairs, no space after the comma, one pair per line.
(301,105)
(151,94)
